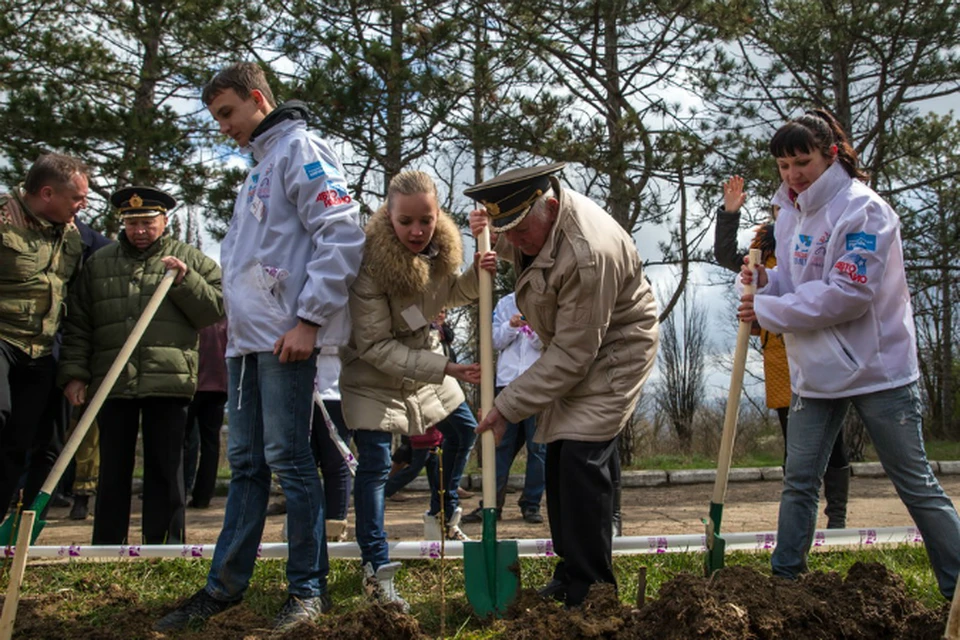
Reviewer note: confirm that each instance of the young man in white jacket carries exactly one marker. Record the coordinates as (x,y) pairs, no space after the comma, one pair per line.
(292,251)
(839,295)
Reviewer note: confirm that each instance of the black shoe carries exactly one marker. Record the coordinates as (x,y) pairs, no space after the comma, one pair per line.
(555,589)
(194,611)
(532,516)
(298,610)
(58,501)
(196,504)
(81,508)
(277,508)
(476,516)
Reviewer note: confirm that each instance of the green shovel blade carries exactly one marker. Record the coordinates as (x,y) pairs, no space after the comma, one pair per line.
(491,570)
(715,543)
(11,526)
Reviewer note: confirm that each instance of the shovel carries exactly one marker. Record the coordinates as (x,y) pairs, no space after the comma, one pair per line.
(489,567)
(952,631)
(715,543)
(8,530)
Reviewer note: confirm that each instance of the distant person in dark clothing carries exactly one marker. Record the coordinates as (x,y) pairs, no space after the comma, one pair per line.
(205,417)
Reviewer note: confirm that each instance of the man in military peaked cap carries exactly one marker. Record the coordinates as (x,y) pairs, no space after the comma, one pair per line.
(142,202)
(581,288)
(157,384)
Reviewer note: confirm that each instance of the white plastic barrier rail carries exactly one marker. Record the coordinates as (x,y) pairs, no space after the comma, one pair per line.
(430,549)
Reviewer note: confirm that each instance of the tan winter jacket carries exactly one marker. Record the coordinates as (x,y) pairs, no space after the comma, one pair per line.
(392,377)
(587,298)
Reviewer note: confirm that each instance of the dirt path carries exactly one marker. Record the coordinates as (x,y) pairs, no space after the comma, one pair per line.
(750,506)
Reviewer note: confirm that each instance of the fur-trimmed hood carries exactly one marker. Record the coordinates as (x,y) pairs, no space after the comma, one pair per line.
(399,271)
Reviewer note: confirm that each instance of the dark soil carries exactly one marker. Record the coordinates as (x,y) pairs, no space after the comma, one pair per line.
(740,603)
(736,604)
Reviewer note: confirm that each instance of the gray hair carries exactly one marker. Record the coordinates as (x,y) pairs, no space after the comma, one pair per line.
(539,208)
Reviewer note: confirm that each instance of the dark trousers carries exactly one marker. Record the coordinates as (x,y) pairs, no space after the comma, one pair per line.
(26,385)
(202,442)
(44,455)
(580,487)
(333,468)
(164,421)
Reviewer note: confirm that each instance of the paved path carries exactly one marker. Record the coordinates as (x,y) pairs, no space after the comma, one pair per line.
(665,509)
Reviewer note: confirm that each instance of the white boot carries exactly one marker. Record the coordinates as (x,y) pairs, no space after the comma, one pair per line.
(378,585)
(431,526)
(453,526)
(336,530)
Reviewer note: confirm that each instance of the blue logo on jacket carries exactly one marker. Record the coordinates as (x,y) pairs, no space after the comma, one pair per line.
(320,168)
(861,240)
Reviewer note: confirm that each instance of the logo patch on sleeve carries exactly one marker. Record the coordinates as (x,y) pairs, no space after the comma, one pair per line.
(334,195)
(861,240)
(320,168)
(856,269)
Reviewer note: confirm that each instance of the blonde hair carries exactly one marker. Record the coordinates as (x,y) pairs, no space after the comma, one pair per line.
(407,183)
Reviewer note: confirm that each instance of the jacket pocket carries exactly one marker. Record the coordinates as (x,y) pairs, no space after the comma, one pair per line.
(825,364)
(18,261)
(270,284)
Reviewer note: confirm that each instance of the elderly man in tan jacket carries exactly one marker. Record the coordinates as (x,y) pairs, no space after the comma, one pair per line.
(581,287)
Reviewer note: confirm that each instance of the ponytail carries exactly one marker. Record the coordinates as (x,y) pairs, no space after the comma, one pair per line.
(817,129)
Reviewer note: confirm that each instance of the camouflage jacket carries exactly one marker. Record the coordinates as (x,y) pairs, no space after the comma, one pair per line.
(37,260)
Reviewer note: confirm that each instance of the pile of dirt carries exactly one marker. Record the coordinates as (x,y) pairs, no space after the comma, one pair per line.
(737,603)
(742,604)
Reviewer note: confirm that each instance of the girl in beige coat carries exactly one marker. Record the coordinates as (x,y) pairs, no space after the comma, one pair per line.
(395,377)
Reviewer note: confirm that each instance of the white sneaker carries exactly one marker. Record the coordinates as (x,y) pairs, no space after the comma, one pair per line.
(454,532)
(336,530)
(378,585)
(431,526)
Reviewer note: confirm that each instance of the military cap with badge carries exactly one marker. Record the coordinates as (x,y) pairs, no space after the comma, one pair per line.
(142,202)
(509,196)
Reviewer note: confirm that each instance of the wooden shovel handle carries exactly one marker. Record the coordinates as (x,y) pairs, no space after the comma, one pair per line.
(90,414)
(733,397)
(488,442)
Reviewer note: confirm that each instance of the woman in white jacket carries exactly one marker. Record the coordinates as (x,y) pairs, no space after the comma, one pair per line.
(839,296)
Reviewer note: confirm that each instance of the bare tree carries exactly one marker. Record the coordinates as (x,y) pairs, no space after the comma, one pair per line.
(682,358)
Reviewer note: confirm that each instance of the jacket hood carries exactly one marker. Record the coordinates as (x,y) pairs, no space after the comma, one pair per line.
(289,110)
(399,271)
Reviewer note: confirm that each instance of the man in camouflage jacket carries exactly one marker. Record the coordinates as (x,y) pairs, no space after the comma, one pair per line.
(40,250)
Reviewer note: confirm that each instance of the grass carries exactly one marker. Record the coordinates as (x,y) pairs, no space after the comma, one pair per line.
(99,595)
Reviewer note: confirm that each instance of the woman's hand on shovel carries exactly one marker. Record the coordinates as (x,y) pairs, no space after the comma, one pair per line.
(495,422)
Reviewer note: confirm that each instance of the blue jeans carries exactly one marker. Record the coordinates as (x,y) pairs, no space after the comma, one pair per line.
(269,430)
(893,420)
(419,459)
(534,480)
(373,466)
(459,434)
